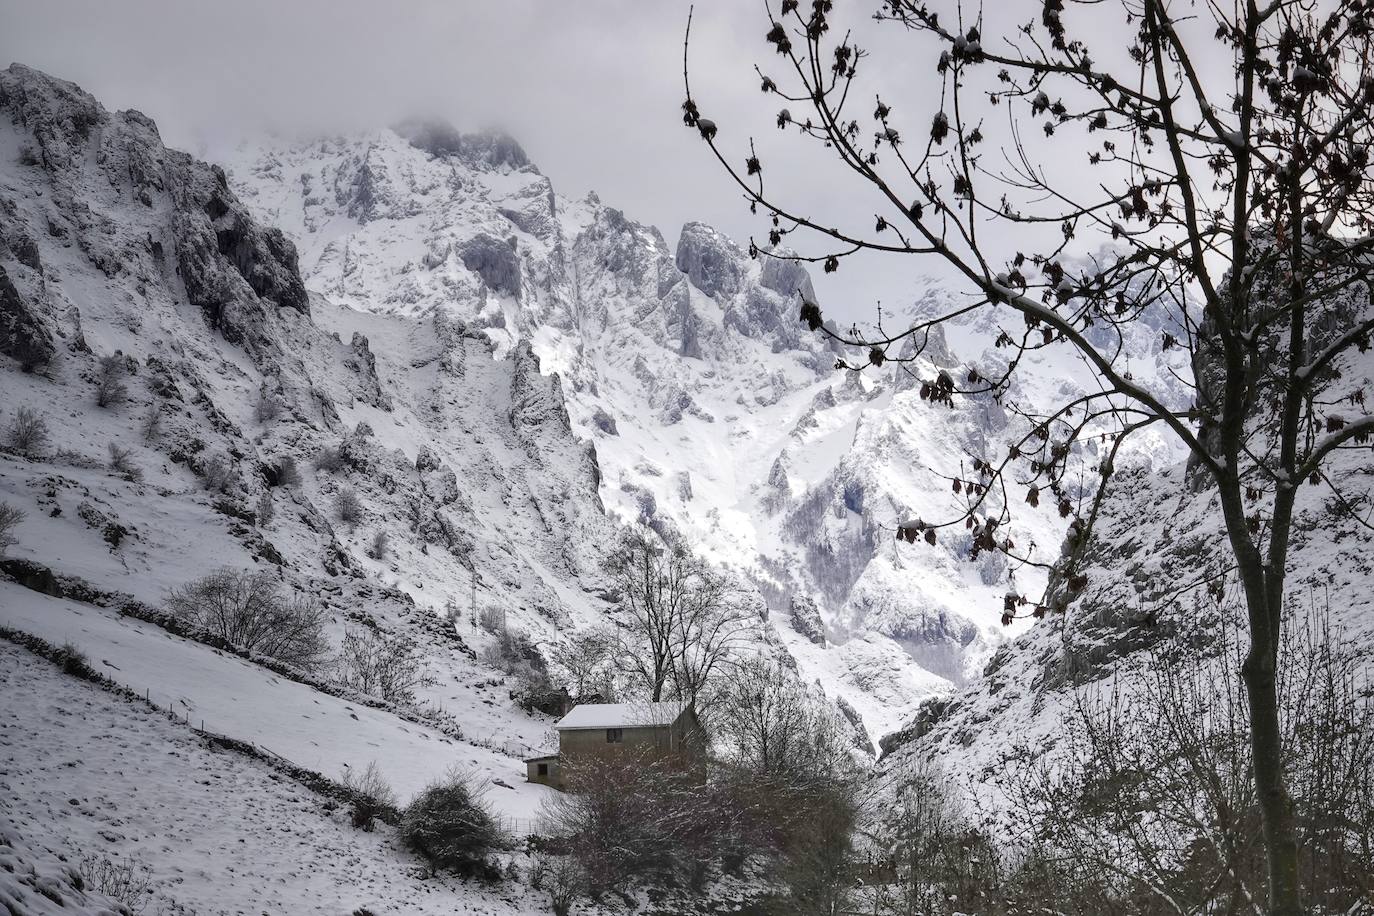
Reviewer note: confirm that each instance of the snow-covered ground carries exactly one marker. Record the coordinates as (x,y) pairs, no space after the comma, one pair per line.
(83,771)
(230,696)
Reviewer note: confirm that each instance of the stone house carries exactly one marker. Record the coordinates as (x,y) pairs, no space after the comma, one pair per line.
(608,730)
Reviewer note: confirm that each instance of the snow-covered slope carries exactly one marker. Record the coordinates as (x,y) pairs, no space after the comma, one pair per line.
(1159,579)
(713,410)
(116,252)
(86,776)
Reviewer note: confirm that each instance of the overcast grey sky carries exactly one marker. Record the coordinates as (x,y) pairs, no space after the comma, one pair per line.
(591,89)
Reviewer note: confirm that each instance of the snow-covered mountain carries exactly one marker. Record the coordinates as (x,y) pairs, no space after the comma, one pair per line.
(712,409)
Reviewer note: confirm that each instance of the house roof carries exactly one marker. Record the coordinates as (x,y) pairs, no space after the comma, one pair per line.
(621,715)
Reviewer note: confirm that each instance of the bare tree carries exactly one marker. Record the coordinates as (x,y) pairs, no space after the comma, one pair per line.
(110,389)
(683,620)
(1226,199)
(767,722)
(381,665)
(252,611)
(27,433)
(586,661)
(10,517)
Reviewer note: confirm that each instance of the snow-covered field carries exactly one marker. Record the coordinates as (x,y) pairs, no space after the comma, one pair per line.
(83,771)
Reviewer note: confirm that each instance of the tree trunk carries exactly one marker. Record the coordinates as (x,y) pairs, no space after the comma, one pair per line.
(1263,585)
(1276,808)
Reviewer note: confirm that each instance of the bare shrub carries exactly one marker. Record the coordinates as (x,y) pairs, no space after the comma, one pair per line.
(383,666)
(492,619)
(152,423)
(451,826)
(372,795)
(381,544)
(787,773)
(127,881)
(330,459)
(217,473)
(265,510)
(110,389)
(73,661)
(561,877)
(513,652)
(288,472)
(122,463)
(1151,808)
(938,863)
(253,612)
(266,407)
(10,517)
(636,815)
(348,507)
(27,433)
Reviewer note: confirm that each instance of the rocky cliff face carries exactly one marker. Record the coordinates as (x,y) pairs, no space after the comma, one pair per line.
(117,252)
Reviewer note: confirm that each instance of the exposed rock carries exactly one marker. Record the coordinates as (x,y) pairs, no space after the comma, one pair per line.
(806,619)
(604,422)
(495,261)
(24,336)
(708,260)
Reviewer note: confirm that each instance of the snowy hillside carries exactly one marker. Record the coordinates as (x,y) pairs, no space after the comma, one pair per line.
(1158,580)
(236,412)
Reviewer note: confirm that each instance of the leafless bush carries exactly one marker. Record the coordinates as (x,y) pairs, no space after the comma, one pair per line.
(452,827)
(122,463)
(265,509)
(1152,808)
(27,433)
(73,661)
(636,815)
(788,778)
(561,877)
(935,862)
(330,459)
(110,389)
(348,507)
(10,517)
(381,544)
(152,423)
(266,407)
(217,473)
(513,652)
(373,795)
(253,612)
(127,881)
(380,665)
